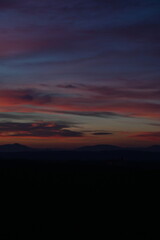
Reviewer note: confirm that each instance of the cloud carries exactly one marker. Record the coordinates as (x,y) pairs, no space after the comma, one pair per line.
(93,114)
(11,97)
(70,86)
(37,129)
(105,102)
(153,136)
(17,116)
(61,26)
(143,31)
(123,92)
(155,124)
(101,133)
(8,4)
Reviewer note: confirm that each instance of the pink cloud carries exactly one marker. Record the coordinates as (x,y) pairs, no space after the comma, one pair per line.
(32,100)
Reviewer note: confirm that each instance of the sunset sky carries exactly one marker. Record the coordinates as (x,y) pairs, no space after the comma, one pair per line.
(80,72)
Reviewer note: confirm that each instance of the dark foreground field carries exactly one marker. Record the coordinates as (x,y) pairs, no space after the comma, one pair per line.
(52,195)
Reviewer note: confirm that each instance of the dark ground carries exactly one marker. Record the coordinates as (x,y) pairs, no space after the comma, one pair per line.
(52,195)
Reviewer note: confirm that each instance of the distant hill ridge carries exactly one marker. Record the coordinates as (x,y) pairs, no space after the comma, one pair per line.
(16,147)
(155,148)
(99,148)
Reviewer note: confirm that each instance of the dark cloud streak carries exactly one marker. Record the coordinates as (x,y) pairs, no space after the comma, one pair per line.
(102,133)
(37,129)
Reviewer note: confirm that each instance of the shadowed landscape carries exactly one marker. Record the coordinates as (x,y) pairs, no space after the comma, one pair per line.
(78,192)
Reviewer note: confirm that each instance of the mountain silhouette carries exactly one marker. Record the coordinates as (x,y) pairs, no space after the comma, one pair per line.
(99,148)
(16,147)
(154,148)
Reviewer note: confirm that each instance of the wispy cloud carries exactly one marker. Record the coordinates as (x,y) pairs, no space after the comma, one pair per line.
(93,101)
(154,136)
(102,133)
(37,129)
(83,60)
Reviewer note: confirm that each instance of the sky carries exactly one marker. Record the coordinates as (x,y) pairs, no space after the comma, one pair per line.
(80,72)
